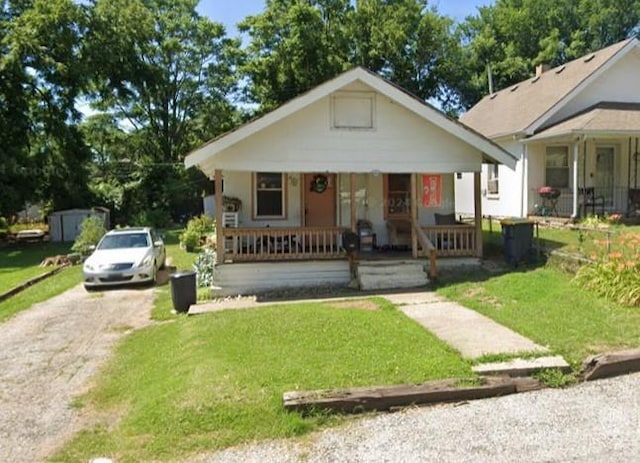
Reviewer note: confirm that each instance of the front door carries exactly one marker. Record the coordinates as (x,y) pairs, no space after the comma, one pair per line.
(319,200)
(604,181)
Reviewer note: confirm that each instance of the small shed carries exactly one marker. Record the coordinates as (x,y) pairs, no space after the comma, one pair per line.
(65,225)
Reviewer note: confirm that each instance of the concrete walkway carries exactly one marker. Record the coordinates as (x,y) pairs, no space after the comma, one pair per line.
(472,334)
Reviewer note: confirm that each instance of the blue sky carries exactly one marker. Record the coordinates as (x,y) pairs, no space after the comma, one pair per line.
(230,12)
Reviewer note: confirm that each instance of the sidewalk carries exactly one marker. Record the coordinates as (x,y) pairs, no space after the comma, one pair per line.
(467,331)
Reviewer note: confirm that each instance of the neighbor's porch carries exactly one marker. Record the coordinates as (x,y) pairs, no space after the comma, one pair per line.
(389,215)
(590,172)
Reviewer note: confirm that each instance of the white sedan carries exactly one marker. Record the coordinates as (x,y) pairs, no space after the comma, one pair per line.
(123,256)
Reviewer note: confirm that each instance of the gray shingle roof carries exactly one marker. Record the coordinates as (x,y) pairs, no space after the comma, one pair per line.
(516,108)
(606,117)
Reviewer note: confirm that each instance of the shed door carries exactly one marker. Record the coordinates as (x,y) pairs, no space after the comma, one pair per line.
(319,200)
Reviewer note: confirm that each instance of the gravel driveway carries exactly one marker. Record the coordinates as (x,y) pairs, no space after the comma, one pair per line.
(47,355)
(597,421)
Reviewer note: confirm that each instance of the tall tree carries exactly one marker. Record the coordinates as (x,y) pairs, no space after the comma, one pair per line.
(297,44)
(512,36)
(42,75)
(168,78)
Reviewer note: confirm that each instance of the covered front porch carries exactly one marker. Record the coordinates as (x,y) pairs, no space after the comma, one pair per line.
(343,216)
(591,161)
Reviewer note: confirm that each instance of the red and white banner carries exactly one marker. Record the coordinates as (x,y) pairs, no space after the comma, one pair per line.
(432,190)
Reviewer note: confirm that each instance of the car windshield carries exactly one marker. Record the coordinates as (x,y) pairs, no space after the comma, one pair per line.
(128,240)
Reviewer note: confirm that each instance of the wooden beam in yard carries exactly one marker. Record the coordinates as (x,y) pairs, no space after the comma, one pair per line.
(477,200)
(217,177)
(389,397)
(352,202)
(414,216)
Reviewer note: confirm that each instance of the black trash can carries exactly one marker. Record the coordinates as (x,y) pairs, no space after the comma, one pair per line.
(183,290)
(350,241)
(517,236)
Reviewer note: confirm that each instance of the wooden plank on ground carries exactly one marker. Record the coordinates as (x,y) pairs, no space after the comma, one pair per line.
(611,364)
(384,398)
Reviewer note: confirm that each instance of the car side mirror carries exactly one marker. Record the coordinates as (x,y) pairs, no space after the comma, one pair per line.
(157,243)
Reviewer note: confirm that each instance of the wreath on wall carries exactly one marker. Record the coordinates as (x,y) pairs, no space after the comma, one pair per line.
(319,183)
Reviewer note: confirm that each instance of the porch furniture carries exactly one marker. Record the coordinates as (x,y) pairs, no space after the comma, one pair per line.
(399,232)
(549,197)
(366,237)
(446,219)
(634,201)
(591,200)
(230,220)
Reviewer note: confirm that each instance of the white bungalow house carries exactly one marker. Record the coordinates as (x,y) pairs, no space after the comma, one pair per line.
(575,130)
(356,154)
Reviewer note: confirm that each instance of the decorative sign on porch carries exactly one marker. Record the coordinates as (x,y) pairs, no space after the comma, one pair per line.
(432,190)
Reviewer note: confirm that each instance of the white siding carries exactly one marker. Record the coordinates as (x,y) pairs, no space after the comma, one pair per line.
(306,142)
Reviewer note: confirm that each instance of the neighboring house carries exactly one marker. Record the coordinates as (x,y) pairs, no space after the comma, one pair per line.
(574,129)
(357,154)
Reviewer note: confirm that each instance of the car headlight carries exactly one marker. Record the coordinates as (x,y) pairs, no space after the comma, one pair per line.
(146,261)
(88,266)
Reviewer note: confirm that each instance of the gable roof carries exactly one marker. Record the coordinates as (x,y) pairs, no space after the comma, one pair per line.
(603,118)
(491,151)
(525,106)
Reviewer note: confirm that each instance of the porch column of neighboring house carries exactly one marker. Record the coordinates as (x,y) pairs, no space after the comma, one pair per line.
(217,178)
(352,201)
(576,149)
(477,200)
(414,217)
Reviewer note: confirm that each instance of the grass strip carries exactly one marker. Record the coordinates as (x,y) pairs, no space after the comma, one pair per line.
(211,381)
(46,289)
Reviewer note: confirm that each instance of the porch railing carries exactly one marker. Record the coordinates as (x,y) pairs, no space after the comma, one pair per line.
(453,240)
(255,244)
(426,249)
(591,200)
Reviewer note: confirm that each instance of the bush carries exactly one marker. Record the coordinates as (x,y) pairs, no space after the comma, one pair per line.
(614,271)
(203,266)
(91,230)
(198,228)
(4,223)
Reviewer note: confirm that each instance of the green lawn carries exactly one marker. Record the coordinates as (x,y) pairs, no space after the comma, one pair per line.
(544,305)
(19,263)
(216,380)
(52,286)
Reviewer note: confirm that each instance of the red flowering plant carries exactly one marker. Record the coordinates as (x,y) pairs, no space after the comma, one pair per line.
(614,270)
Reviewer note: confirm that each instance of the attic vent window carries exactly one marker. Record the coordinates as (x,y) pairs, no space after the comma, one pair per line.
(560,69)
(353,110)
(590,57)
(514,88)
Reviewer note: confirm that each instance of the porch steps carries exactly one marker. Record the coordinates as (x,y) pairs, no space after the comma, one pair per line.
(391,274)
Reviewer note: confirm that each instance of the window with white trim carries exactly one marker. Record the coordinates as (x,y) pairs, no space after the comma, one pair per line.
(557,166)
(493,187)
(269,195)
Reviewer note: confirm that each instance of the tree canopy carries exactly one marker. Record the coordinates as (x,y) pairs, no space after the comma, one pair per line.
(155,79)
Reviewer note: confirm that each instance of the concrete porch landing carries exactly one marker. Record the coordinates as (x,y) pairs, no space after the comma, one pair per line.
(472,334)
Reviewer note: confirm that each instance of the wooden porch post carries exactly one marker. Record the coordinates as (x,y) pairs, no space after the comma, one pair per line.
(477,196)
(414,216)
(574,198)
(352,201)
(219,230)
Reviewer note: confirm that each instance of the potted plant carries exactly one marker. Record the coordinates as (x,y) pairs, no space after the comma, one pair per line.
(231,204)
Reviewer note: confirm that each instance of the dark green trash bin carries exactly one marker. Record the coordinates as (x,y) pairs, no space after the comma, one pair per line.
(183,290)
(517,237)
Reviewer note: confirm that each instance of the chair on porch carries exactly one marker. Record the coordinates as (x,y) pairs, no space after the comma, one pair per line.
(399,233)
(588,199)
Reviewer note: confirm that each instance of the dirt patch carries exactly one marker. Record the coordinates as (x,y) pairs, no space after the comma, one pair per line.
(479,293)
(360,304)
(48,355)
